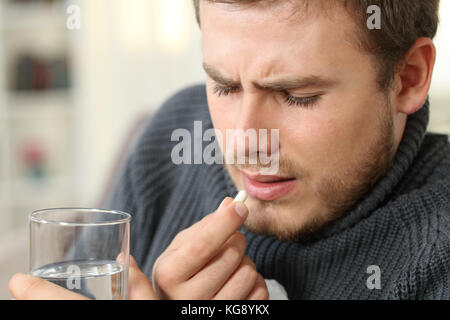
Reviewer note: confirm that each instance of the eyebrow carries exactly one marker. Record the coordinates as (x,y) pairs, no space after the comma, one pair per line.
(289,83)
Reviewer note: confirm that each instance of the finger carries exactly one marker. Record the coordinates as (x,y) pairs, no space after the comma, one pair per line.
(260,291)
(139,286)
(216,272)
(204,240)
(184,235)
(241,282)
(27,287)
(225,202)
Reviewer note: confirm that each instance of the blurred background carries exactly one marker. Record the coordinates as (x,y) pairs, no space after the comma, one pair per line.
(77,80)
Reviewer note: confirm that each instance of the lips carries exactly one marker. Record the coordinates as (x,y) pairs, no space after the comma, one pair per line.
(268,188)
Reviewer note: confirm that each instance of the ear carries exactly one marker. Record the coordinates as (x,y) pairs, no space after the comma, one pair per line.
(413,80)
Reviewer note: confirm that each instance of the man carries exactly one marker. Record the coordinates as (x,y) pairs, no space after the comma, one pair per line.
(359,206)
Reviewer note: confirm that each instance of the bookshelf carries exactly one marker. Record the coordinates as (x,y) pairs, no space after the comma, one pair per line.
(36,110)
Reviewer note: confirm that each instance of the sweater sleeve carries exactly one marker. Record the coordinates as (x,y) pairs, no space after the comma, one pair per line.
(135,192)
(123,196)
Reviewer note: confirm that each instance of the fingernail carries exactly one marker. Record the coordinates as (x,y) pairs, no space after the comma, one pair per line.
(223,203)
(241,209)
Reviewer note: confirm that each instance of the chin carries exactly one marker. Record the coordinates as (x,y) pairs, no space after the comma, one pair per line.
(286,221)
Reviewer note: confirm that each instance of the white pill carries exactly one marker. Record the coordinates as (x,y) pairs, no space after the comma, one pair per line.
(241,196)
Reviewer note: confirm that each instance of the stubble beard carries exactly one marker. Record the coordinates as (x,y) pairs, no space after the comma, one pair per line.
(338,193)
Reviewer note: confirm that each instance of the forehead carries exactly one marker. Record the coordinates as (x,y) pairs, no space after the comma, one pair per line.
(276,33)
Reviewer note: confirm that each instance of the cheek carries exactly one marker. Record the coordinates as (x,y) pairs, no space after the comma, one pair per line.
(221,113)
(325,140)
(310,138)
(222,116)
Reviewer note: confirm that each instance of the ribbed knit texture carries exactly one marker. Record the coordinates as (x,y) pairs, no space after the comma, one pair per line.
(402,225)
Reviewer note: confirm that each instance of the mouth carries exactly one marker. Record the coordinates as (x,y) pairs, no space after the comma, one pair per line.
(268,187)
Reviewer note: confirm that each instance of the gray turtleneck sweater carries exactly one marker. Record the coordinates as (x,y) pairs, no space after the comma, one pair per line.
(398,233)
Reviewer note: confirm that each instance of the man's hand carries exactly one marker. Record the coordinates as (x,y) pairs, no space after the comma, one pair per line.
(206,261)
(27,287)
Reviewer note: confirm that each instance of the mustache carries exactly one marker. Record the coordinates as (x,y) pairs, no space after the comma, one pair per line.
(286,168)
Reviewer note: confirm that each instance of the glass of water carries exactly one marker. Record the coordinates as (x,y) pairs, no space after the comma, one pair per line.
(83,250)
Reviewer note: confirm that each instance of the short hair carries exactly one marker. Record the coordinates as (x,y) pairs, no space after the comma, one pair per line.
(403,22)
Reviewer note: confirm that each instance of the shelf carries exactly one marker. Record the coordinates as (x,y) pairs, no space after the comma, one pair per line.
(3,190)
(53,191)
(38,104)
(32,113)
(35,16)
(5,201)
(43,117)
(43,95)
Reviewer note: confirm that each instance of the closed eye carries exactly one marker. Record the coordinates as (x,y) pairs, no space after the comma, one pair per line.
(304,102)
(222,90)
(290,100)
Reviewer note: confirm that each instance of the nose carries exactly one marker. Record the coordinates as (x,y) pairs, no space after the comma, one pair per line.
(253,130)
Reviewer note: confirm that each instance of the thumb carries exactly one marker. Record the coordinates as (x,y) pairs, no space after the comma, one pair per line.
(139,286)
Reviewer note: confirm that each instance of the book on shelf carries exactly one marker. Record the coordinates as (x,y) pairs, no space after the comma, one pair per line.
(33,73)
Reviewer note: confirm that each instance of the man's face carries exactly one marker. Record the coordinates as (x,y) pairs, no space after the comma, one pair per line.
(305,76)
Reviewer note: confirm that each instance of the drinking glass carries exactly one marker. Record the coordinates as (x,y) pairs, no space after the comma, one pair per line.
(83,250)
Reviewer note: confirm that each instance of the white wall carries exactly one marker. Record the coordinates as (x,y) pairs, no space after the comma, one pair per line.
(440,90)
(130,56)
(441,78)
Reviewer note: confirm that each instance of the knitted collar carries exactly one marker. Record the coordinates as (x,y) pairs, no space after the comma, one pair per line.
(409,147)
